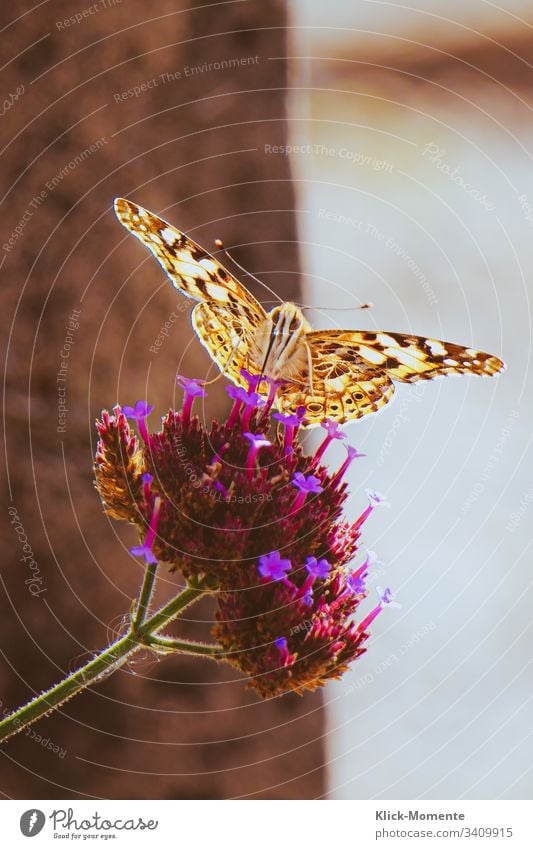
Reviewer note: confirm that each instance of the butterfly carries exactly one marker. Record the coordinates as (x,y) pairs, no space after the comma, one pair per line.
(333,374)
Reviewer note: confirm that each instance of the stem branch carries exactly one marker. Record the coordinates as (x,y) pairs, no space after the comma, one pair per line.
(110,659)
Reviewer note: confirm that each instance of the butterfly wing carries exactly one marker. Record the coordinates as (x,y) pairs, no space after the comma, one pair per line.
(227,338)
(228,315)
(406,357)
(192,270)
(353,370)
(344,385)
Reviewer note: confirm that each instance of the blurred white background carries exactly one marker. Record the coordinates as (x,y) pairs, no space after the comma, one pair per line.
(416,193)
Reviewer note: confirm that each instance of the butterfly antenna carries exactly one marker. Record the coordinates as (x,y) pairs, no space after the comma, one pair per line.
(220,246)
(368,306)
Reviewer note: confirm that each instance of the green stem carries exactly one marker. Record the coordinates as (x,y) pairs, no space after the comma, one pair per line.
(185,646)
(105,663)
(144,596)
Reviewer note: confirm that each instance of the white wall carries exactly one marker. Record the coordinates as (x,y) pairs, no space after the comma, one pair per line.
(440,706)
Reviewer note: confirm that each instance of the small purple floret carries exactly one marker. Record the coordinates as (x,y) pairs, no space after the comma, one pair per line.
(253,380)
(140,412)
(191,386)
(307,483)
(281,645)
(291,422)
(257,441)
(356,584)
(317,568)
(273,566)
(145,549)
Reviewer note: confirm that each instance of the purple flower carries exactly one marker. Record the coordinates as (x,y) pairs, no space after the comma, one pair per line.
(273,567)
(244,396)
(147,479)
(305,484)
(273,386)
(191,386)
(386,598)
(257,441)
(192,389)
(145,550)
(317,568)
(282,647)
(313,600)
(140,412)
(353,454)
(251,401)
(290,420)
(375,500)
(356,584)
(291,423)
(333,432)
(253,380)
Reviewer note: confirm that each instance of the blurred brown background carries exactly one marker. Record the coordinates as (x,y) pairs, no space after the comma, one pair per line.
(188,144)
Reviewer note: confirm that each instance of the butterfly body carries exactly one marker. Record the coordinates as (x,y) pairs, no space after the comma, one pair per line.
(334,374)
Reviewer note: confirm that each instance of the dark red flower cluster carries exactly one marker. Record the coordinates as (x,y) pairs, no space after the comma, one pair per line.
(243,511)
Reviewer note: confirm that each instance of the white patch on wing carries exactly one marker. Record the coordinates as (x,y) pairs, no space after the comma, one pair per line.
(436,347)
(371,354)
(209,265)
(218,293)
(169,236)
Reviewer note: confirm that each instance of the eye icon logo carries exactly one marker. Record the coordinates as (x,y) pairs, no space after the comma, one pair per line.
(32,822)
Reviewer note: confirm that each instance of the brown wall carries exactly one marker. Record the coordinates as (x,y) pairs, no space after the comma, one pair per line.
(190,147)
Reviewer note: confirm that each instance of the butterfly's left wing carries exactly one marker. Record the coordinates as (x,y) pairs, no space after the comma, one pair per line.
(406,357)
(343,386)
(353,370)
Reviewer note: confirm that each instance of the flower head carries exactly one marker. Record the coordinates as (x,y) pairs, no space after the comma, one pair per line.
(223,506)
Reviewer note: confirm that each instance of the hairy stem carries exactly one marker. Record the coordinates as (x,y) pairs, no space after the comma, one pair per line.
(109,660)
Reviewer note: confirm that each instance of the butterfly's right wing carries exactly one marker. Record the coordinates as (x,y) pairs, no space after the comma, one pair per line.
(192,270)
(228,337)
(228,315)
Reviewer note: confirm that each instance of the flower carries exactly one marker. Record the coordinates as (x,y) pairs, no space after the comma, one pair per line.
(257,441)
(192,389)
(250,400)
(291,423)
(140,413)
(273,567)
(306,485)
(145,550)
(333,432)
(287,600)
(317,568)
(375,499)
(353,453)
